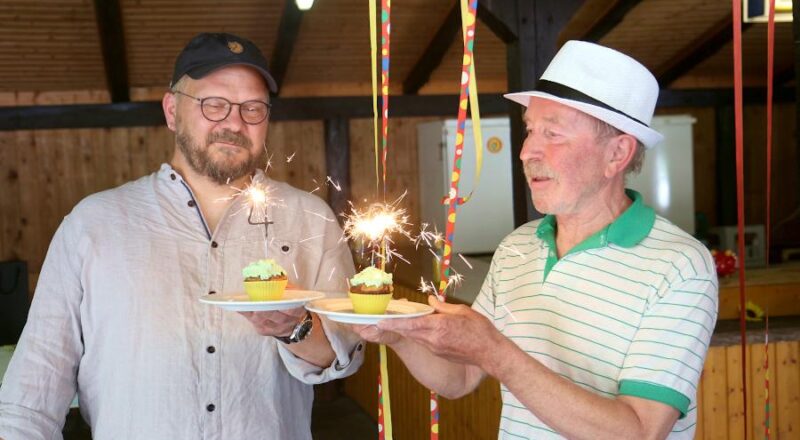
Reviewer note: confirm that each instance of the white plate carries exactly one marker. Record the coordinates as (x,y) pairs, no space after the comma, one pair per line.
(341,310)
(240,302)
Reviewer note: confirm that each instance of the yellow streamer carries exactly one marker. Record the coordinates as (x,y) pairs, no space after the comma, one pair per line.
(475,112)
(373,17)
(387,406)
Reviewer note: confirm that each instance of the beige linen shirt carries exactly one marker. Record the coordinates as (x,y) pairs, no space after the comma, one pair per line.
(116,318)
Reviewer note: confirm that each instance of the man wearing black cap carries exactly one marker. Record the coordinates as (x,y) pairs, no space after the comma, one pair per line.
(116,316)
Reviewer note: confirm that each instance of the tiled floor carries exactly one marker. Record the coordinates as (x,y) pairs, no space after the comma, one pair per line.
(340,418)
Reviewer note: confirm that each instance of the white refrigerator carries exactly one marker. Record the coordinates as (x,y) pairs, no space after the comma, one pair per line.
(489,214)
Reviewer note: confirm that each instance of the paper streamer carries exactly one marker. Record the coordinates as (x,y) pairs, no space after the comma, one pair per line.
(770,88)
(468,96)
(385,34)
(737,104)
(384,402)
(766,379)
(373,50)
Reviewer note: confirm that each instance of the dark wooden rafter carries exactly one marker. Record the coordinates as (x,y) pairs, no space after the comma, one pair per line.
(150,113)
(501,27)
(697,51)
(288,29)
(609,20)
(108,16)
(434,53)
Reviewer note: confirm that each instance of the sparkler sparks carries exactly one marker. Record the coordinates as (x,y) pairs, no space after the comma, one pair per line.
(374,226)
(291,157)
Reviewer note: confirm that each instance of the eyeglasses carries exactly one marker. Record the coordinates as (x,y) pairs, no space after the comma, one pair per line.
(216,109)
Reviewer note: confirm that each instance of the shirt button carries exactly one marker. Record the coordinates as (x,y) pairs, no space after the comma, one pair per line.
(211,349)
(285,248)
(210,407)
(172,176)
(212,292)
(191,203)
(214,244)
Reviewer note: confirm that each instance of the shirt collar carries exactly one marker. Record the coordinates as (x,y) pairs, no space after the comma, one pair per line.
(627,230)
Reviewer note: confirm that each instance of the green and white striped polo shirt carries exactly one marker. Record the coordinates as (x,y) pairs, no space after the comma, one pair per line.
(628,311)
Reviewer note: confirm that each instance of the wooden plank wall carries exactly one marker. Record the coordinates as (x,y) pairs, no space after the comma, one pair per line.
(477,415)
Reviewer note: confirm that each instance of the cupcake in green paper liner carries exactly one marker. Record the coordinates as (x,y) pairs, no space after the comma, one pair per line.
(264,280)
(370,291)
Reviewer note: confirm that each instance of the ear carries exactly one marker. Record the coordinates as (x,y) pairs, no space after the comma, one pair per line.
(168,104)
(621,150)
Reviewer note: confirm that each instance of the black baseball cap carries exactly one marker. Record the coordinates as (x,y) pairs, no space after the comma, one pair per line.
(207,52)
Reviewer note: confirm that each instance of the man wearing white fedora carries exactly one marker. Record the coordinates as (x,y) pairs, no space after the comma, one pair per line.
(596,318)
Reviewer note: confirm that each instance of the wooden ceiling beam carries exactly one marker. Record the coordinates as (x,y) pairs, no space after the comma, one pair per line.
(150,113)
(108,16)
(499,19)
(609,20)
(434,54)
(288,29)
(698,50)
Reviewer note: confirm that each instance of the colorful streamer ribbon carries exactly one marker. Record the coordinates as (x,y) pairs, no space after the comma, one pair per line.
(468,96)
(766,379)
(737,99)
(384,401)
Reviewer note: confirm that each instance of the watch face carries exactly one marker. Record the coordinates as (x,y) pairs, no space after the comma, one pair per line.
(304,330)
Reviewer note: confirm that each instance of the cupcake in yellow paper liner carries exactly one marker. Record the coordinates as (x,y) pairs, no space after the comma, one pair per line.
(264,280)
(370,291)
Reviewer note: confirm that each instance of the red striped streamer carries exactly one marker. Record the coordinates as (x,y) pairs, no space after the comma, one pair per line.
(770,87)
(737,98)
(452,196)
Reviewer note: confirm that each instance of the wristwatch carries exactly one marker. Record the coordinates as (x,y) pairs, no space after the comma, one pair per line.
(300,332)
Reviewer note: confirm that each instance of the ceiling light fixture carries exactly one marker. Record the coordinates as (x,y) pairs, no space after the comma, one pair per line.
(304,5)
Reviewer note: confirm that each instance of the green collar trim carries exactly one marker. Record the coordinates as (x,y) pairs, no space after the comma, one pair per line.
(627,230)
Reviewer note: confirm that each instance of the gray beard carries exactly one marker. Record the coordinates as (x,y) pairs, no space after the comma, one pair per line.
(222,172)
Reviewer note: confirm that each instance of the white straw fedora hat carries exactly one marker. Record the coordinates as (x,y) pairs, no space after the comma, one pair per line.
(603,83)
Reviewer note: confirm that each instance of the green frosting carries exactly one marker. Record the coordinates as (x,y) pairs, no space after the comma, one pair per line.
(371,277)
(263,269)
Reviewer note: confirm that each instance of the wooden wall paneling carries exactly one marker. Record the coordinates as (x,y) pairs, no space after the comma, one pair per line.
(699,428)
(99,171)
(304,143)
(160,147)
(10,224)
(118,156)
(30,216)
(137,141)
(787,401)
(757,391)
(736,409)
(715,397)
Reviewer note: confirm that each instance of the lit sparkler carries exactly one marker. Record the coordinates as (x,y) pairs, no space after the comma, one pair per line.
(374,226)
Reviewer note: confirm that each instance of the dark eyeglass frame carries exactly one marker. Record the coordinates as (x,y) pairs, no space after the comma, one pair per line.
(202,101)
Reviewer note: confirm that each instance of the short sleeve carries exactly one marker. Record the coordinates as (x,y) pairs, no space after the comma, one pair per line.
(665,359)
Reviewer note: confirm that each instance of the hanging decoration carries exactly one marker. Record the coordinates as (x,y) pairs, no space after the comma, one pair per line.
(737,100)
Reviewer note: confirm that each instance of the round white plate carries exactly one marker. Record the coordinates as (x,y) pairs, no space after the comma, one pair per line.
(341,310)
(240,302)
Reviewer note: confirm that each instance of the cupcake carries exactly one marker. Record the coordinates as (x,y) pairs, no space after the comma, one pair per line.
(264,280)
(370,291)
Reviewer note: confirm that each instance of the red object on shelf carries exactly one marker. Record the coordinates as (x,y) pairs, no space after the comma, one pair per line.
(726,262)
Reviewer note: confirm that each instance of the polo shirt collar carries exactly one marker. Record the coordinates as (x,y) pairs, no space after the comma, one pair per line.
(627,230)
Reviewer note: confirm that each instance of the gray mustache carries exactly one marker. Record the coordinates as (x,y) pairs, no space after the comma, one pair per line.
(535,169)
(229,137)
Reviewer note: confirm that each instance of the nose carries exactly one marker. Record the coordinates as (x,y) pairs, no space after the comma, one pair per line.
(531,148)
(234,121)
